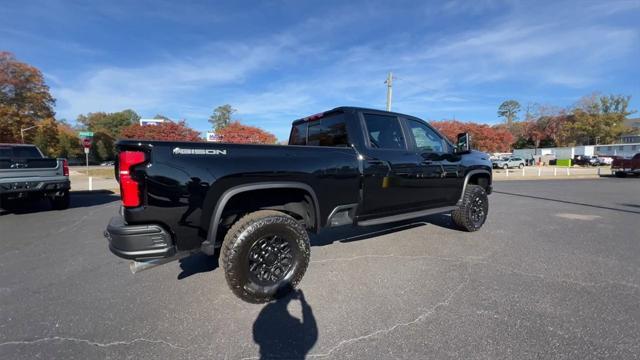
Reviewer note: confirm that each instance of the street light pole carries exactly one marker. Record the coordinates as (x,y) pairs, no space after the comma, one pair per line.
(25,129)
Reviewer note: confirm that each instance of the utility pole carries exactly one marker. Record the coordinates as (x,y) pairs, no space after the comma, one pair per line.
(389,83)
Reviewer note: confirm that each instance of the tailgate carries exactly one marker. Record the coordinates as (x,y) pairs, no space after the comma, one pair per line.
(30,168)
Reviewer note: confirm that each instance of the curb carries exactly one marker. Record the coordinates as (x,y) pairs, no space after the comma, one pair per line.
(541,178)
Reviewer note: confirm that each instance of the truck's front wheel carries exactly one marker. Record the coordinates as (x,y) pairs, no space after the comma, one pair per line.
(474,209)
(264,255)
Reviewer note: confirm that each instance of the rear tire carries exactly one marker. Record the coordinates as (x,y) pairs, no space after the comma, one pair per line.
(520,166)
(61,202)
(265,255)
(473,211)
(505,166)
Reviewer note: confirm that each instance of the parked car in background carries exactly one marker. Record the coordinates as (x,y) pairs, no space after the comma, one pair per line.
(511,162)
(585,160)
(606,160)
(108,163)
(27,174)
(623,167)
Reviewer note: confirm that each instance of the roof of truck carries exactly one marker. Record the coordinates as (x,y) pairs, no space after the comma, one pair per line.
(344,108)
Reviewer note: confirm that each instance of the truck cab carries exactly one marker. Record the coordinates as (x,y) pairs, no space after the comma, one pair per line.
(407,165)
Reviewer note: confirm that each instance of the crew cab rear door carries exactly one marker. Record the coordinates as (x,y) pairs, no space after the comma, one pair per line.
(389,166)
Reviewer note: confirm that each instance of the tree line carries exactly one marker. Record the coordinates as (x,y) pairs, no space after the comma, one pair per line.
(594,119)
(27,115)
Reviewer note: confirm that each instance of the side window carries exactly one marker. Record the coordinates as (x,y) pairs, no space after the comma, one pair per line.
(426,139)
(328,131)
(384,132)
(298,134)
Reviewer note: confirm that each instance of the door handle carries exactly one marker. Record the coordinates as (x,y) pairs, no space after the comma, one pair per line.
(427,162)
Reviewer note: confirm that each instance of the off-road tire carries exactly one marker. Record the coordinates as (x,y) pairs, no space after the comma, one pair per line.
(61,202)
(463,215)
(238,243)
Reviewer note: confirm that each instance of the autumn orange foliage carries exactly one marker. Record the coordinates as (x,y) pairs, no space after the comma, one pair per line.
(239,133)
(24,98)
(483,137)
(169,131)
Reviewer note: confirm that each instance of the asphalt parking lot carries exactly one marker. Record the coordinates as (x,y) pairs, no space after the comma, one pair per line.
(555,273)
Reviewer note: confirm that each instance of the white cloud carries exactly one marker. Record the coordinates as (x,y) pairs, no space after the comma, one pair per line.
(151,87)
(273,79)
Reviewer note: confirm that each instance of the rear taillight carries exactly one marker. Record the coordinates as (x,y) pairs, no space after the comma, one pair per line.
(129,189)
(65,167)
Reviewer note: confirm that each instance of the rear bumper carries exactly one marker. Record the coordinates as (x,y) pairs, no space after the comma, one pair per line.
(50,185)
(138,242)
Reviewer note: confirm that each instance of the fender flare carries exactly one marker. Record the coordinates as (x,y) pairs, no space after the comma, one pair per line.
(466,181)
(231,192)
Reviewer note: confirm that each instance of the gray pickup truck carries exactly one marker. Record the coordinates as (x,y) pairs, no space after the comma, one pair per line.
(27,174)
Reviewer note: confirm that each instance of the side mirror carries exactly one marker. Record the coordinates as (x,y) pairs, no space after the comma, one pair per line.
(464,143)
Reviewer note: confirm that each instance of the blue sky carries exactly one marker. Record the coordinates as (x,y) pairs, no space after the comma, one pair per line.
(276,61)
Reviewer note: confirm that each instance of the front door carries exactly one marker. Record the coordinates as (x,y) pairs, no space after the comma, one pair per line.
(440,174)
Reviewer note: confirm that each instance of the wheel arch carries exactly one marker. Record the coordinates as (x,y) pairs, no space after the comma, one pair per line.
(480,177)
(246,189)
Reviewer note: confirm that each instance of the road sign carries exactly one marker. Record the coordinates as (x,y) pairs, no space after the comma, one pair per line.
(86,151)
(85,134)
(86,143)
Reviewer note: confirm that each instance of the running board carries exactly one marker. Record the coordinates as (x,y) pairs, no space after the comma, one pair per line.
(406,216)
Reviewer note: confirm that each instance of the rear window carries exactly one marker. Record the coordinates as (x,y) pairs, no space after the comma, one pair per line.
(19,152)
(330,130)
(298,134)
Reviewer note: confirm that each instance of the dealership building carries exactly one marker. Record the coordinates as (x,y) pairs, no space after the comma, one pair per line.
(622,149)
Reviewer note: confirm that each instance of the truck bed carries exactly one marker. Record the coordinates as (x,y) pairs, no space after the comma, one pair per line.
(183,175)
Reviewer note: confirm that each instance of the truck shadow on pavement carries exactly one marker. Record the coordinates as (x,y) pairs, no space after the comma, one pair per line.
(571,202)
(201,263)
(38,205)
(198,263)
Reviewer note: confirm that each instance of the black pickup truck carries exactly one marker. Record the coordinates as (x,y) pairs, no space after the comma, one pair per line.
(346,166)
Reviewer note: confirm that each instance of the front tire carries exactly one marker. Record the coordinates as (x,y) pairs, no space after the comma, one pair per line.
(505,166)
(621,174)
(473,211)
(265,255)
